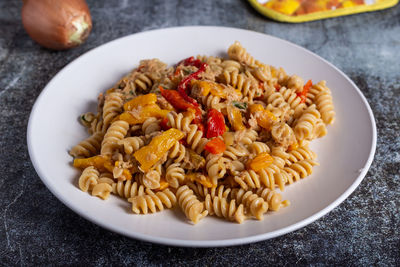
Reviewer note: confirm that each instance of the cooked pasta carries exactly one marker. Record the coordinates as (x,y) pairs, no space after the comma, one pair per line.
(219,136)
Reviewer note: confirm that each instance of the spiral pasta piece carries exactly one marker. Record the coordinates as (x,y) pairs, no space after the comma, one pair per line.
(293,100)
(96,126)
(151,125)
(246,137)
(153,202)
(177,152)
(295,82)
(248,87)
(283,135)
(211,101)
(300,169)
(305,125)
(276,101)
(237,52)
(117,131)
(151,179)
(314,90)
(141,82)
(131,144)
(127,189)
(102,190)
(88,147)
(248,179)
(195,139)
(175,175)
(254,204)
(180,121)
(273,198)
(301,153)
(88,179)
(259,147)
(191,206)
(235,152)
(112,108)
(230,65)
(198,189)
(324,104)
(216,167)
(222,208)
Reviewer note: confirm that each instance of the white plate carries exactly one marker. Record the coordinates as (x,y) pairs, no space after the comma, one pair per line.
(345,154)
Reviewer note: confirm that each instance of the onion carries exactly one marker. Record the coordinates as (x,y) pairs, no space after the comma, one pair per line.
(57,24)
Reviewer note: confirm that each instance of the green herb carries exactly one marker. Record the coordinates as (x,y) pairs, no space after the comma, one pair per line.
(240,105)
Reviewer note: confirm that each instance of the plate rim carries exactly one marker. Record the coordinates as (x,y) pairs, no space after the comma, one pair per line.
(204,243)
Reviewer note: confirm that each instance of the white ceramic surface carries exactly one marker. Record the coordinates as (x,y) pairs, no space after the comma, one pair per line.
(345,154)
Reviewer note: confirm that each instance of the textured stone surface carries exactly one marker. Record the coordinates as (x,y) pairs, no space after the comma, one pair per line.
(36,228)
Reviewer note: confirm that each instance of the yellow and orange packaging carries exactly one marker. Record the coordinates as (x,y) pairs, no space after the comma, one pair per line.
(306,10)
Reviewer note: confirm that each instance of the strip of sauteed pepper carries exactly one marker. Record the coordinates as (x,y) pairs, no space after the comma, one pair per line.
(178,102)
(137,116)
(303,93)
(140,101)
(215,123)
(261,161)
(182,86)
(215,146)
(149,155)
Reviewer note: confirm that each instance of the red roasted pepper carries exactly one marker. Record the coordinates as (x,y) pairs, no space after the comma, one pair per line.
(164,124)
(182,86)
(215,146)
(277,87)
(191,61)
(176,99)
(215,123)
(303,94)
(178,102)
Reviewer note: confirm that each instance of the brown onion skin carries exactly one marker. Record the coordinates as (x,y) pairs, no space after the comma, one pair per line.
(49,22)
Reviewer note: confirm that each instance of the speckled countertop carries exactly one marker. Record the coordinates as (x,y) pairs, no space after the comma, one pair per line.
(37,229)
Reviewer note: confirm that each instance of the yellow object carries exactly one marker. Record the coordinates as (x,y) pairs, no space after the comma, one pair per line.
(287,7)
(235,118)
(98,162)
(149,155)
(163,185)
(139,115)
(141,100)
(264,117)
(216,89)
(261,161)
(286,11)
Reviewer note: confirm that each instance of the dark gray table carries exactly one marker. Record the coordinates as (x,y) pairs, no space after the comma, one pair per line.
(36,229)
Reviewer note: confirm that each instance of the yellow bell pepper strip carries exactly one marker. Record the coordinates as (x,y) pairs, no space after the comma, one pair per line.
(264,117)
(209,87)
(141,100)
(163,185)
(98,162)
(261,161)
(200,178)
(149,155)
(140,114)
(126,174)
(235,118)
